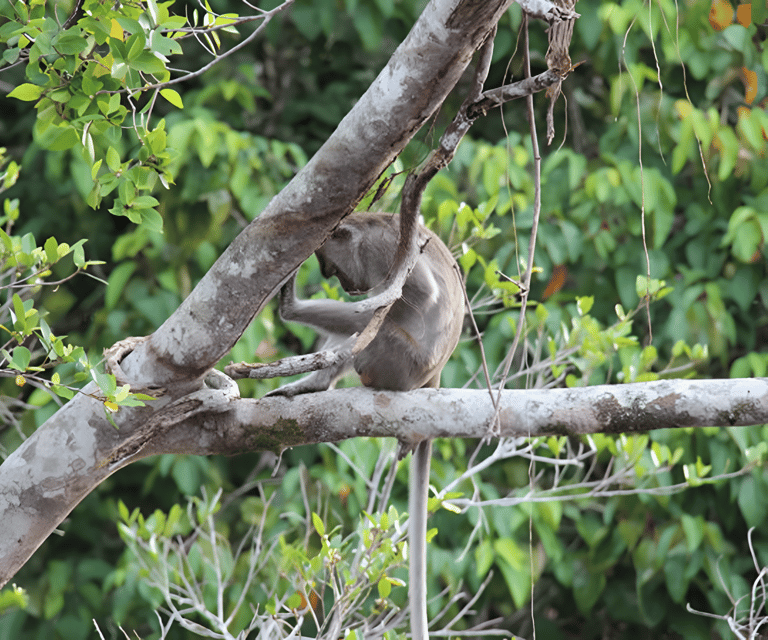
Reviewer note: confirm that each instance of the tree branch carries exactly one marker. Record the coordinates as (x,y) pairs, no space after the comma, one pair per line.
(463,413)
(497,97)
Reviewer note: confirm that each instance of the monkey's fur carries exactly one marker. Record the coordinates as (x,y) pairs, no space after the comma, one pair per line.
(410,350)
(421,329)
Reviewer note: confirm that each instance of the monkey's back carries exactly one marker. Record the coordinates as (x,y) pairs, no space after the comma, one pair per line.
(423,327)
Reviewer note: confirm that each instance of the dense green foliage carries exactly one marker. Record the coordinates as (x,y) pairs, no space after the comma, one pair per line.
(643,131)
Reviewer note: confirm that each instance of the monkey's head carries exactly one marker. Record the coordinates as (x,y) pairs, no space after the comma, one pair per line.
(360,251)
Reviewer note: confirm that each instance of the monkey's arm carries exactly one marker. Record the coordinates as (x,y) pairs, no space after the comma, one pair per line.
(331,317)
(335,319)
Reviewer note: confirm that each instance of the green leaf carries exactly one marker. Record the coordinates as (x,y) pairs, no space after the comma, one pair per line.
(146,62)
(116,283)
(144,202)
(113,159)
(135,45)
(19,311)
(729,152)
(119,70)
(752,501)
(89,151)
(645,286)
(550,513)
(78,255)
(509,550)
(58,138)
(676,577)
(6,239)
(294,601)
(693,527)
(151,219)
(26,92)
(584,304)
(682,149)
(759,11)
(514,566)
(747,239)
(129,24)
(105,381)
(186,473)
(384,587)
(123,511)
(587,588)
(317,521)
(127,192)
(11,598)
(484,557)
(173,97)
(70,44)
(95,169)
(52,250)
(64,392)
(153,11)
(369,26)
(21,358)
(172,525)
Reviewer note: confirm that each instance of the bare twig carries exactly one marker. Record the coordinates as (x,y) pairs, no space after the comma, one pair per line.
(526,279)
(293,365)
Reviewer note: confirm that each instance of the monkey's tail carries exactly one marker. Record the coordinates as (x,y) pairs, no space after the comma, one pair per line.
(417,539)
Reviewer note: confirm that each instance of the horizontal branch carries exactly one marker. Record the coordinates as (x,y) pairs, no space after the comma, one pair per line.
(330,416)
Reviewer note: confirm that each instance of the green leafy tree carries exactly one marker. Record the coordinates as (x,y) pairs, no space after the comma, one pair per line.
(200,160)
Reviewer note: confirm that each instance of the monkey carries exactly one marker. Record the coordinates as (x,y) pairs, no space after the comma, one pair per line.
(416,338)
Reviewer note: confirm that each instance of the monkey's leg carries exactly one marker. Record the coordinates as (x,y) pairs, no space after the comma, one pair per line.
(418,493)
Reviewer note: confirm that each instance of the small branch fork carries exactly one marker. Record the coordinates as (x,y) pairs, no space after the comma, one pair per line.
(477,104)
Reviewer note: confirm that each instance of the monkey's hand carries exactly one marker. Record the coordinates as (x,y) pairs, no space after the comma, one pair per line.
(287,298)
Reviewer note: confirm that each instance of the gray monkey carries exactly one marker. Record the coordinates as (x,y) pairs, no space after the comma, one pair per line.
(410,350)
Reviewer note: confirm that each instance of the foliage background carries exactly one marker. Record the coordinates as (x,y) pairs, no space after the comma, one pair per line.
(678,86)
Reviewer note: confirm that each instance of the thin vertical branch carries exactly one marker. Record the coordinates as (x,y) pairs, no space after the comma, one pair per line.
(526,279)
